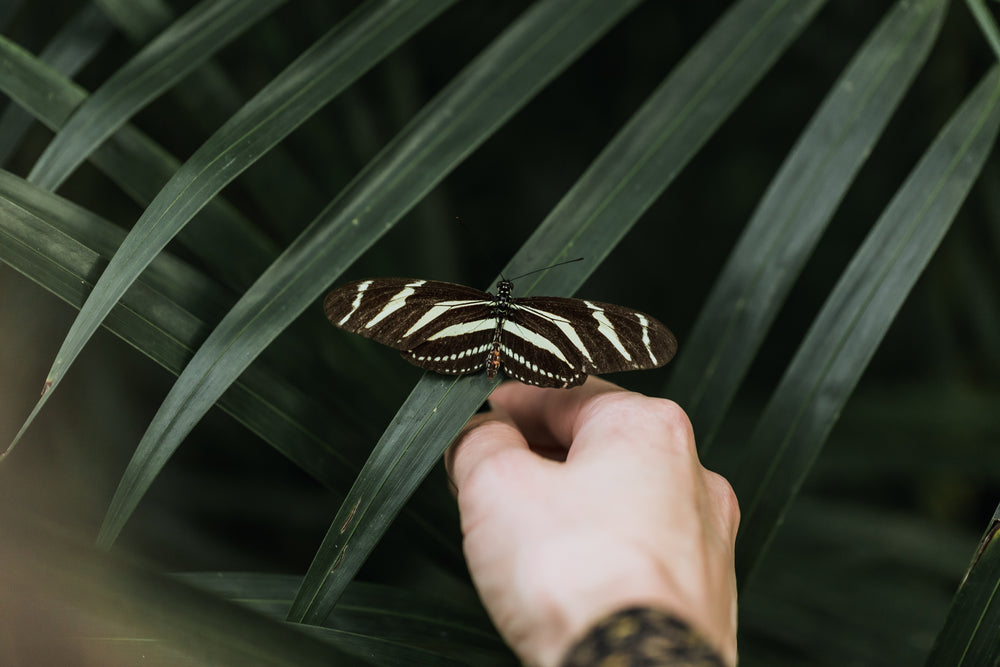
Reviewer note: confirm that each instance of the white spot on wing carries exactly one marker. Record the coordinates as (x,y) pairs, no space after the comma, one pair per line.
(437,311)
(356,303)
(511,356)
(644,323)
(395,303)
(463,328)
(607,330)
(535,339)
(564,326)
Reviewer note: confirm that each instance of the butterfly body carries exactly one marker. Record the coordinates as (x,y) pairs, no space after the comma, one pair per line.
(501,310)
(544,341)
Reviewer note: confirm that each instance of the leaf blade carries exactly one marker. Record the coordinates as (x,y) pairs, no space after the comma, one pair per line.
(969,633)
(854,319)
(163,316)
(189,42)
(326,68)
(791,217)
(140,167)
(76,43)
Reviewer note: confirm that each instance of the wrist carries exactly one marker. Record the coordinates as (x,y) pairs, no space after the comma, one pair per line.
(642,635)
(568,602)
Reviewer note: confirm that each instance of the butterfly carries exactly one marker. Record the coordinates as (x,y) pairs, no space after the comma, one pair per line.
(540,340)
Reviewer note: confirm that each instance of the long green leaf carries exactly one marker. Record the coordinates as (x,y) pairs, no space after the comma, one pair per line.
(185,45)
(854,319)
(317,76)
(68,52)
(221,237)
(207,98)
(175,280)
(374,613)
(969,636)
(162,315)
(987,24)
(44,239)
(629,175)
(795,211)
(165,315)
(141,20)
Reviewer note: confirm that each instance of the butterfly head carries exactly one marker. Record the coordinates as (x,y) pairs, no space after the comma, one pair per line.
(504,289)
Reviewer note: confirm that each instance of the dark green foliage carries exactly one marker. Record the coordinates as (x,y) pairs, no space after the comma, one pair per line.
(770,178)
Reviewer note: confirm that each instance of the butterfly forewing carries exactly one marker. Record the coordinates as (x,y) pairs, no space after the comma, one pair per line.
(403,313)
(599,337)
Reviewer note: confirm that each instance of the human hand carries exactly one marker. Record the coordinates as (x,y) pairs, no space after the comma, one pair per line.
(582,502)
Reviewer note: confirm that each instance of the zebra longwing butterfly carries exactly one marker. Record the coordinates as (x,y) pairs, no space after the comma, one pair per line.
(541,340)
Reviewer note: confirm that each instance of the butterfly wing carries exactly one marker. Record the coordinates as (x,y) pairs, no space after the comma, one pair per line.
(443,327)
(456,350)
(546,341)
(534,351)
(554,341)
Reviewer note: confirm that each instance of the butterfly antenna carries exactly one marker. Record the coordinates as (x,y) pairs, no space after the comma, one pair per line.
(546,268)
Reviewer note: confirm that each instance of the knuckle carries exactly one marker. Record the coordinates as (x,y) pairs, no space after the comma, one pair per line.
(672,416)
(659,422)
(724,498)
(629,408)
(671,420)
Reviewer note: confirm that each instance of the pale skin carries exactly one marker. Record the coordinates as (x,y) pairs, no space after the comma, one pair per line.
(578,503)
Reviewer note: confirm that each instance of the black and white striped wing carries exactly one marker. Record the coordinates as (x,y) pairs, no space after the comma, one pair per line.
(557,342)
(442,327)
(544,341)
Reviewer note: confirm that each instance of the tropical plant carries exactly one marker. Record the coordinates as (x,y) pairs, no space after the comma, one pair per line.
(194,176)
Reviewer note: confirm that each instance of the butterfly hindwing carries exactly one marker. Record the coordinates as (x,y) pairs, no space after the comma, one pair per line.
(535,349)
(454,356)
